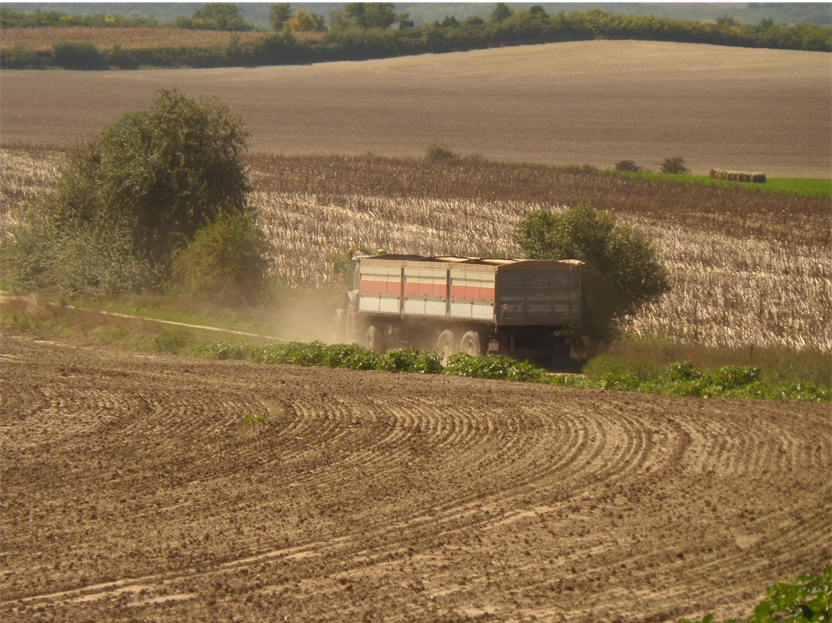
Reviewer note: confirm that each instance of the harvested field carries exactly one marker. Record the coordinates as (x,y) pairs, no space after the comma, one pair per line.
(127,38)
(133,489)
(748,268)
(594,102)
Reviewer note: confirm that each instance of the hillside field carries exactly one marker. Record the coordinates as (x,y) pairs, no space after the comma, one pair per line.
(162,488)
(593,102)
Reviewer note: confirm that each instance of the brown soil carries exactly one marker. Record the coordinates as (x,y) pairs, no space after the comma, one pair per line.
(133,489)
(591,102)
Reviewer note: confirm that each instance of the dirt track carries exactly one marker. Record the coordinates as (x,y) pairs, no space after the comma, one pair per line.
(594,102)
(133,490)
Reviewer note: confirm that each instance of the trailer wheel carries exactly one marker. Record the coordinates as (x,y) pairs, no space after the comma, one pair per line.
(375,340)
(445,346)
(471,344)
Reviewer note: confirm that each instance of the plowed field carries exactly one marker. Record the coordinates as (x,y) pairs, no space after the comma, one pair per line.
(586,102)
(133,489)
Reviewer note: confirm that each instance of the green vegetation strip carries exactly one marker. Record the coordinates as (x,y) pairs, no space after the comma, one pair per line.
(810,187)
(679,379)
(808,598)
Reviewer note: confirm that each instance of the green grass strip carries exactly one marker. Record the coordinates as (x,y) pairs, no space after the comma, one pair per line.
(678,379)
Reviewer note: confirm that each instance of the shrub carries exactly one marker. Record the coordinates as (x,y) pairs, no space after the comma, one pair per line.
(675,165)
(172,340)
(224,262)
(77,55)
(627,165)
(141,189)
(620,273)
(438,151)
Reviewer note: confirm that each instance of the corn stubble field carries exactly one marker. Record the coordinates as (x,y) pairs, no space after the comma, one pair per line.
(749,268)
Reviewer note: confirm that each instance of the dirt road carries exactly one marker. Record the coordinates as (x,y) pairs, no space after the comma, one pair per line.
(135,489)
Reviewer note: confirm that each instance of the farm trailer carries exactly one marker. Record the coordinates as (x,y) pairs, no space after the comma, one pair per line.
(514,308)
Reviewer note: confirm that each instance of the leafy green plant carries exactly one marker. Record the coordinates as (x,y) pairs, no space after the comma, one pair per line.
(255,418)
(409,360)
(805,600)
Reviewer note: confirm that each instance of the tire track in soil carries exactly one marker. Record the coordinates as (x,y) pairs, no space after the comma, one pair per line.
(132,487)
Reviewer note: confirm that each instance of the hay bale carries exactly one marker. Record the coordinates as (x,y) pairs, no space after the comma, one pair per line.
(714,173)
(758,178)
(745,177)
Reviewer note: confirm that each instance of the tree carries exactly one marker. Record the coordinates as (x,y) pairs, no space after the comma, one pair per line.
(279,13)
(501,12)
(305,22)
(149,182)
(620,273)
(215,16)
(371,15)
(675,165)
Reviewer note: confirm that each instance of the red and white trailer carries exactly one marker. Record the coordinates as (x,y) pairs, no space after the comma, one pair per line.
(516,308)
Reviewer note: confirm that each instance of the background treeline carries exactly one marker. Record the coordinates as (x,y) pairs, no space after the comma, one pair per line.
(257,14)
(351,40)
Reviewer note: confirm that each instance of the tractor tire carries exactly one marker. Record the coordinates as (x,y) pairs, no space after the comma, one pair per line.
(471,344)
(446,346)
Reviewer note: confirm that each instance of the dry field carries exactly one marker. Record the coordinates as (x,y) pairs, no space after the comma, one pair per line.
(128,38)
(134,490)
(748,268)
(593,102)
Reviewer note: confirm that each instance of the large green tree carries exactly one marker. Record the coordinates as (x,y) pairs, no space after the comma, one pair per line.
(621,272)
(145,186)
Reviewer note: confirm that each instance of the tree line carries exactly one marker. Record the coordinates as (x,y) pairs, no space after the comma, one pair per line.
(377,30)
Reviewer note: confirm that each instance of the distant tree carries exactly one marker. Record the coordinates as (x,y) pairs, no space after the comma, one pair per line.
(675,165)
(305,22)
(450,22)
(279,13)
(474,20)
(404,21)
(216,16)
(621,272)
(501,12)
(537,12)
(371,15)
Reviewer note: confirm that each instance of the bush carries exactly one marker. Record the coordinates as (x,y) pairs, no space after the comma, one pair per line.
(620,273)
(627,165)
(675,165)
(77,55)
(140,190)
(438,151)
(224,262)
